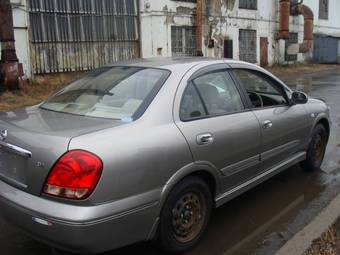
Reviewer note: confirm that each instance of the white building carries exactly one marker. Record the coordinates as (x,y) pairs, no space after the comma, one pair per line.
(62,35)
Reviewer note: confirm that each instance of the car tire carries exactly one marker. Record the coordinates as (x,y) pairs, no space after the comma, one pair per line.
(185,215)
(316,149)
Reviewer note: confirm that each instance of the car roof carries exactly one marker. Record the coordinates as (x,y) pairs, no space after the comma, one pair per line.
(171,63)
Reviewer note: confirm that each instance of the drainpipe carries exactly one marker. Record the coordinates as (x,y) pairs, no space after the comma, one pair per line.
(308,15)
(199,26)
(9,64)
(284,19)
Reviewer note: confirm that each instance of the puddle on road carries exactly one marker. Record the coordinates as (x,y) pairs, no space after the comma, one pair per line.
(263,219)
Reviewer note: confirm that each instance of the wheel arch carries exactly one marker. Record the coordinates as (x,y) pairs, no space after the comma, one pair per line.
(325,123)
(204,170)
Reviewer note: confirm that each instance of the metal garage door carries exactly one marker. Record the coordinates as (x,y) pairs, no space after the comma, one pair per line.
(326,49)
(77,35)
(247,40)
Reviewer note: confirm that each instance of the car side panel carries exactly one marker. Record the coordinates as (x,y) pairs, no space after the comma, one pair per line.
(287,136)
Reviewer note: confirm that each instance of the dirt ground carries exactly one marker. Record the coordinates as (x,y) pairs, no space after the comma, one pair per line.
(44,86)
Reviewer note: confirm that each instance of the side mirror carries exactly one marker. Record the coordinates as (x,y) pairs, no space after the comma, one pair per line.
(299,98)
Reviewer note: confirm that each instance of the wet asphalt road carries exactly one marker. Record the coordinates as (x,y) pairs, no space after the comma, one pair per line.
(259,221)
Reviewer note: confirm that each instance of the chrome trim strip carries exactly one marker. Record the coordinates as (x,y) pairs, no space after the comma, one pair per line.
(241,165)
(13,148)
(262,177)
(280,149)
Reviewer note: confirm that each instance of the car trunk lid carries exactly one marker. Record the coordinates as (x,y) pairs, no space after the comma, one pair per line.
(32,140)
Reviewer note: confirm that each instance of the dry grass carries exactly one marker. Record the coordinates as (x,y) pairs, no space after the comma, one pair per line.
(35,92)
(296,69)
(325,245)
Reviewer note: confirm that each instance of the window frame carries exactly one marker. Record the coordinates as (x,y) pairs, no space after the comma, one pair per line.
(209,70)
(324,15)
(267,78)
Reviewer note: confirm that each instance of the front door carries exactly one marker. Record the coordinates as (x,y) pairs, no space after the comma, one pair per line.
(219,131)
(264,51)
(285,128)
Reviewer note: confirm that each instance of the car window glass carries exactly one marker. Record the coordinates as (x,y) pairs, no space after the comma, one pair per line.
(191,105)
(261,91)
(219,93)
(109,92)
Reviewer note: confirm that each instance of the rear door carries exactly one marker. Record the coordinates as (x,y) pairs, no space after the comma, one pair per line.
(284,127)
(210,112)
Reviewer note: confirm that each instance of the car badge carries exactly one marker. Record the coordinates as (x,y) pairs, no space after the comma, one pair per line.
(3,134)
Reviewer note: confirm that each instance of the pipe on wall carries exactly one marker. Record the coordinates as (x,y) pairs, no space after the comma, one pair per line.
(199,26)
(308,15)
(284,19)
(9,63)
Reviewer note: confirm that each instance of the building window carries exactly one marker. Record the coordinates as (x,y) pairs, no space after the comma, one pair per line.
(190,1)
(248,45)
(248,4)
(323,9)
(183,41)
(293,39)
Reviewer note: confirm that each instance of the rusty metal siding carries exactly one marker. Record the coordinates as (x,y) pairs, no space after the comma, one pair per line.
(248,45)
(183,41)
(78,35)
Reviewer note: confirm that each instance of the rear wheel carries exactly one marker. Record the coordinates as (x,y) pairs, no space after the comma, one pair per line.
(185,215)
(316,150)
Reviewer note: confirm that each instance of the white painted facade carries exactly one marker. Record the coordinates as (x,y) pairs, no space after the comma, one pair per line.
(157,17)
(20,23)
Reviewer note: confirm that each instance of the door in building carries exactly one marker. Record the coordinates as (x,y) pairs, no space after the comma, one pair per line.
(247,41)
(264,51)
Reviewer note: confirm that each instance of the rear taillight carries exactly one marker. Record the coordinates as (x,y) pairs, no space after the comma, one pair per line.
(74,175)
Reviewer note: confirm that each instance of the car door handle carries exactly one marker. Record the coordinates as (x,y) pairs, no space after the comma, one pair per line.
(205,139)
(267,124)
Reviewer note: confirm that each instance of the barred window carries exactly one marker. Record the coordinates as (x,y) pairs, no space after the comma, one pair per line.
(248,4)
(183,40)
(323,9)
(293,39)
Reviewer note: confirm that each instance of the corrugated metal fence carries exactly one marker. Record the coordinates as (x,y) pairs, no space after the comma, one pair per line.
(78,35)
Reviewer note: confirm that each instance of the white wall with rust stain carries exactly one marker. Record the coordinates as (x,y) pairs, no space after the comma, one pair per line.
(156,22)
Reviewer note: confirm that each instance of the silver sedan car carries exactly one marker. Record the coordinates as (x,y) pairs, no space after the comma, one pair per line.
(145,150)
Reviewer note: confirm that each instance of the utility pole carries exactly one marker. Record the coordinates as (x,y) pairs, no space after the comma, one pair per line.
(9,63)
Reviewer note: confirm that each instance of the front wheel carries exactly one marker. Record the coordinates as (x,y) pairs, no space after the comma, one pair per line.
(185,215)
(316,150)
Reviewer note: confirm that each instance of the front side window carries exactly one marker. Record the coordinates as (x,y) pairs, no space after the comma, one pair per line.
(210,95)
(109,92)
(261,91)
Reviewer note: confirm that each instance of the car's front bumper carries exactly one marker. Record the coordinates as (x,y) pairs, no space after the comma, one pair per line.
(81,229)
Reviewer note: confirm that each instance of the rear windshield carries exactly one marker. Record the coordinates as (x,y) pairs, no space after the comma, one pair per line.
(110,92)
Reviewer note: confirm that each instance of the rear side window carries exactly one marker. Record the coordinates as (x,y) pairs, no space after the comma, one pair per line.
(109,92)
(211,94)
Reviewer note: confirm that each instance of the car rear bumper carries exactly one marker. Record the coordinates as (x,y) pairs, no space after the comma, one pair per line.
(51,222)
